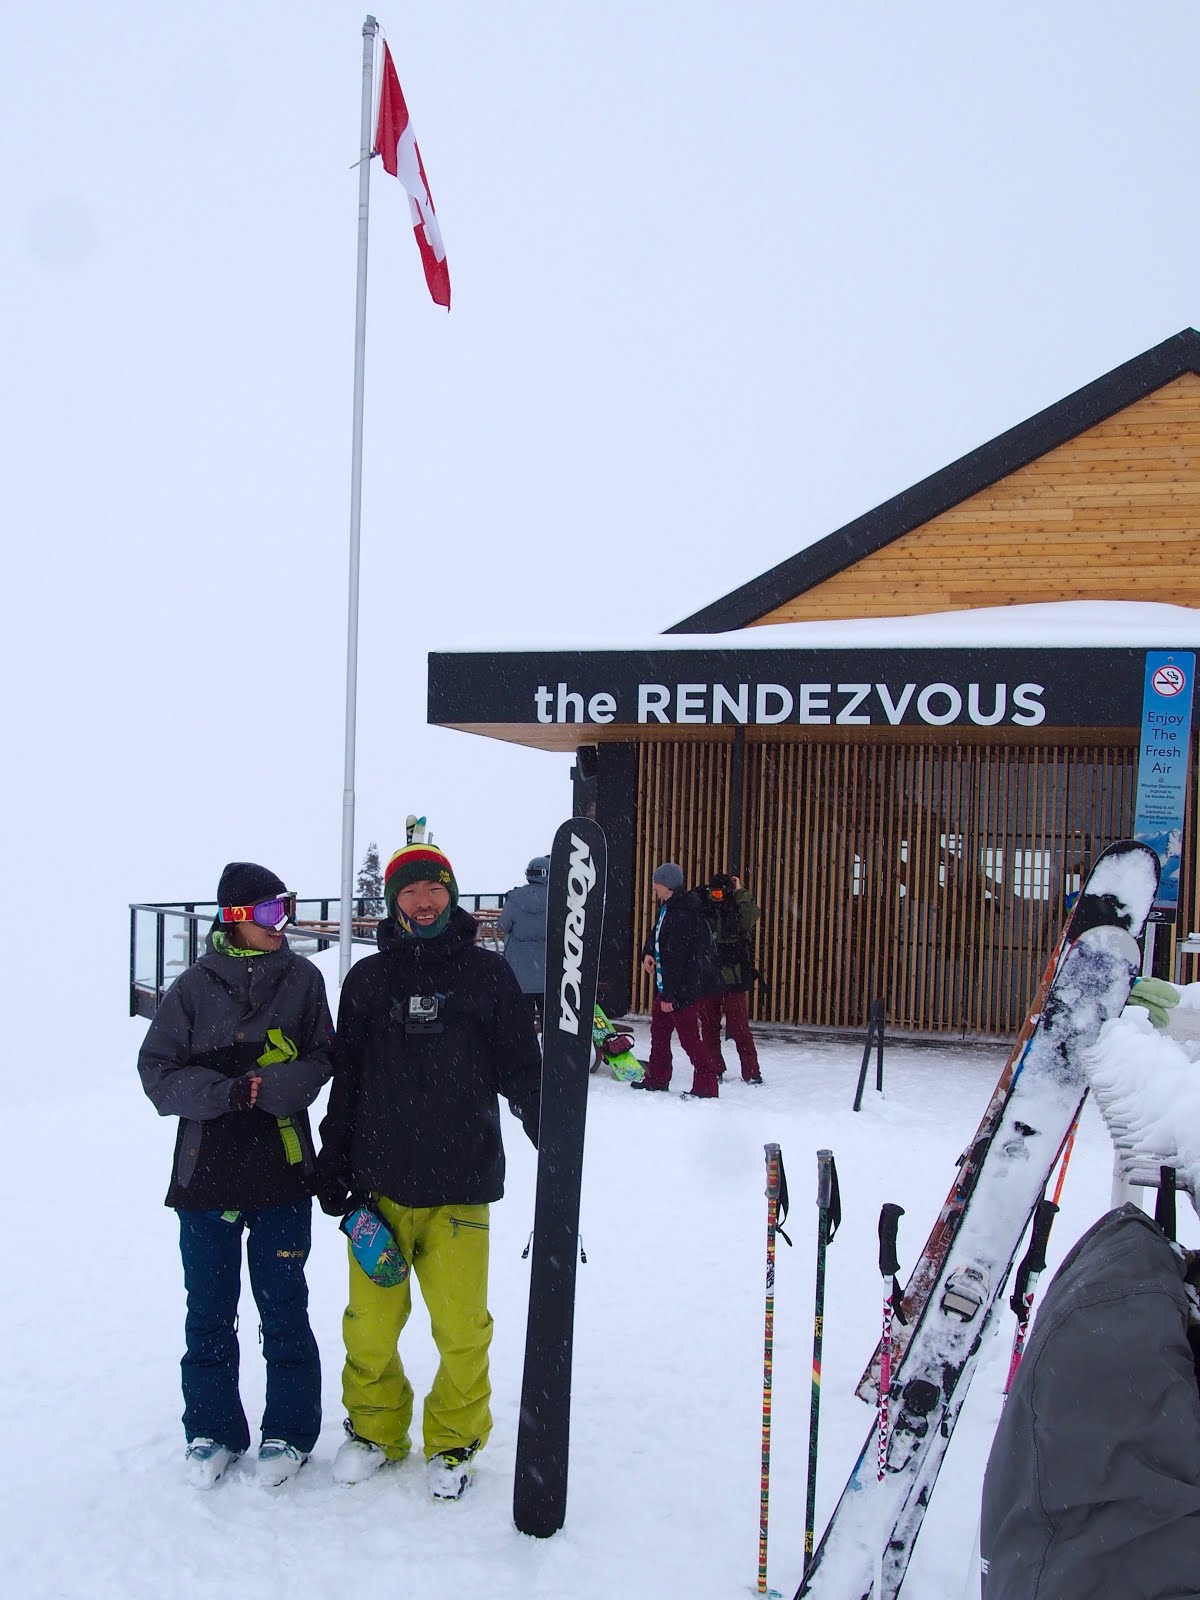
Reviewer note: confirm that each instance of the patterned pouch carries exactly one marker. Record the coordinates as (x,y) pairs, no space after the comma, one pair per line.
(374,1247)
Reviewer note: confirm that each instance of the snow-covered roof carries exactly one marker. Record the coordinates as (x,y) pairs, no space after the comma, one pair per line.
(1067,624)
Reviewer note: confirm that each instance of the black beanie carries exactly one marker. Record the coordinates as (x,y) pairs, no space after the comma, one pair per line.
(245,883)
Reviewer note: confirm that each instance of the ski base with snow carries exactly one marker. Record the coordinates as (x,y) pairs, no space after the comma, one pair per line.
(1118,891)
(932,1374)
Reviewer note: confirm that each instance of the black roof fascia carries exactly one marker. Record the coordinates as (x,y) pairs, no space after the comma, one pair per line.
(1035,437)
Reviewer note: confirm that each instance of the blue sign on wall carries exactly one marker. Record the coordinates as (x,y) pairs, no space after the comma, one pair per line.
(1163,767)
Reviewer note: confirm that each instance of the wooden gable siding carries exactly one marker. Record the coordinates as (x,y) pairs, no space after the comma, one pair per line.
(1113,514)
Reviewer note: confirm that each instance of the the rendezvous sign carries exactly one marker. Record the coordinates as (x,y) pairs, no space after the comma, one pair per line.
(1163,759)
(853,688)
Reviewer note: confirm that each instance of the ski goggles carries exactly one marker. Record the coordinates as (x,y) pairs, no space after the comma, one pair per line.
(276,913)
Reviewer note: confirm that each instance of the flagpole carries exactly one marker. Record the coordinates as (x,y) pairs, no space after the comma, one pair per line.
(370,29)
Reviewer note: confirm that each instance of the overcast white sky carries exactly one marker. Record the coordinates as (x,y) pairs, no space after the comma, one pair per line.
(726,275)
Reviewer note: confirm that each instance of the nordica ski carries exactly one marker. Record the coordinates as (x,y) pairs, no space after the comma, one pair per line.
(574,921)
(1118,891)
(931,1375)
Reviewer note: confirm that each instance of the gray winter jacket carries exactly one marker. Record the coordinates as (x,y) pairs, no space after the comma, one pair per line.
(523,924)
(1092,1490)
(210,1029)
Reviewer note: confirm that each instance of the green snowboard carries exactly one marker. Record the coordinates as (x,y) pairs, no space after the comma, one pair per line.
(625,1065)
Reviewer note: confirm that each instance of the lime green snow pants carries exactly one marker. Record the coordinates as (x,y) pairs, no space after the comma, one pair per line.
(447,1249)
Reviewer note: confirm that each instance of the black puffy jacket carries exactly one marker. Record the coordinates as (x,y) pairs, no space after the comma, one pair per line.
(413,1113)
(211,1028)
(686,954)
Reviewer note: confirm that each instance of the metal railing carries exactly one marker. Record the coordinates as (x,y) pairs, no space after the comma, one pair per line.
(165,937)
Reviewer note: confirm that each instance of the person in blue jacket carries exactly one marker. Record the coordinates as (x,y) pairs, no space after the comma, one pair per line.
(238,1049)
(523,924)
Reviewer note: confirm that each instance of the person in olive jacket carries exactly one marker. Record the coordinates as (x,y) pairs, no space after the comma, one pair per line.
(238,1049)
(430,1031)
(680,957)
(731,913)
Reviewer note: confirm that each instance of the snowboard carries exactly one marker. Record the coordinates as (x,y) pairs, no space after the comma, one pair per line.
(1118,890)
(574,923)
(931,1376)
(626,1067)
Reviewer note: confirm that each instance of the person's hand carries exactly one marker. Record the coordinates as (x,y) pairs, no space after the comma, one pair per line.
(648,965)
(665,1005)
(736,882)
(337,1199)
(243,1091)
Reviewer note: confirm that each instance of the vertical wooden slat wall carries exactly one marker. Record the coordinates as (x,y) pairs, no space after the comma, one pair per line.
(931,875)
(684,812)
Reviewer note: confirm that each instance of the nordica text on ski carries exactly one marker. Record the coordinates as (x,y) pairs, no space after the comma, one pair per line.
(581,878)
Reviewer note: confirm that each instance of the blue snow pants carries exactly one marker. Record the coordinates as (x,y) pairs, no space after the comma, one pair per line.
(277,1247)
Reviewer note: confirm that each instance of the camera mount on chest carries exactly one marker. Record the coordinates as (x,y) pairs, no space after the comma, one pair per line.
(420,1013)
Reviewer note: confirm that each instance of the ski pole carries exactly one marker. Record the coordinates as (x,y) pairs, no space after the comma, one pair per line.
(1033,1263)
(889,1266)
(829,1216)
(777,1207)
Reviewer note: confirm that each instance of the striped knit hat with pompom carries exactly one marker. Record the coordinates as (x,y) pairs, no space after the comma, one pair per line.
(417,863)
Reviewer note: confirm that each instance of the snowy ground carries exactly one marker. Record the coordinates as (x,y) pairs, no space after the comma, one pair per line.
(668,1366)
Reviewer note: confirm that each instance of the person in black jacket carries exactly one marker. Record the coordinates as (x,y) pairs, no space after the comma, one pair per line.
(679,955)
(431,1030)
(238,1049)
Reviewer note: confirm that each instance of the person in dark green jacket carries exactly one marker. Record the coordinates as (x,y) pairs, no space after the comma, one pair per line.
(430,1031)
(731,913)
(238,1049)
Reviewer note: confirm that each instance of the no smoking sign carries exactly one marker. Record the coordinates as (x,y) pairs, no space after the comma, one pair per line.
(1169,680)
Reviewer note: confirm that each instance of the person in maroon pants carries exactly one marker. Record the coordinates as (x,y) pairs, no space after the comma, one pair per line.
(679,955)
(731,912)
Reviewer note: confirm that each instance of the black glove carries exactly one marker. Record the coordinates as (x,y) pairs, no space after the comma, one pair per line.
(336,1200)
(331,1186)
(242,1091)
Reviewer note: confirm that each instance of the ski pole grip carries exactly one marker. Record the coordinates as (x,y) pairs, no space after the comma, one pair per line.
(889,1223)
(1043,1221)
(773,1154)
(824,1179)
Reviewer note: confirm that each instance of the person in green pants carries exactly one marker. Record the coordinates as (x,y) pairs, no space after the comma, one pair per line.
(431,1031)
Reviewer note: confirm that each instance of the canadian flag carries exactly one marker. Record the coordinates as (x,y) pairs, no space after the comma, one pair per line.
(394,141)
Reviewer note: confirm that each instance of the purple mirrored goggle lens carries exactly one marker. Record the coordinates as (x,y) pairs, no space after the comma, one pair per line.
(274,914)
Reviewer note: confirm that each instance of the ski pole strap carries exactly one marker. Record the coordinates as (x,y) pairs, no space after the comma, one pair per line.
(829,1196)
(777,1189)
(1164,1205)
(889,1262)
(1034,1260)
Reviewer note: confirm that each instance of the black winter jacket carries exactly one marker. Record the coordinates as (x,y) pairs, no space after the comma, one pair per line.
(1092,1490)
(209,1030)
(412,1111)
(686,954)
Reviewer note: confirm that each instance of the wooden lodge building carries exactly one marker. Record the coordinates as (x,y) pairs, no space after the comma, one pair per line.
(910,818)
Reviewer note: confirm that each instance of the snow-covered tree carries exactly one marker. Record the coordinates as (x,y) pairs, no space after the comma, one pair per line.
(369,888)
